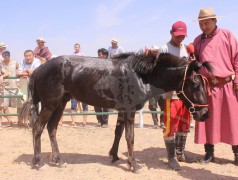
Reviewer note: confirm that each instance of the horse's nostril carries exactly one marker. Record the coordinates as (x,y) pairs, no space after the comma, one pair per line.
(205,116)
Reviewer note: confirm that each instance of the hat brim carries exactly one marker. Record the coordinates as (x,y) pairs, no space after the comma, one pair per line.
(3,46)
(179,34)
(200,19)
(40,41)
(114,41)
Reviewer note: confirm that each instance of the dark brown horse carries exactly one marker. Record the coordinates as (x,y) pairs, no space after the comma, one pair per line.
(123,83)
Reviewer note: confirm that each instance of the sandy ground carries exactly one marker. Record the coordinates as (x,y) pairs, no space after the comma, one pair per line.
(85,149)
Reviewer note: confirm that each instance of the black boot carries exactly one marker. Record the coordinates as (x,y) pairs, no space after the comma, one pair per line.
(180,141)
(209,156)
(235,151)
(170,147)
(155,120)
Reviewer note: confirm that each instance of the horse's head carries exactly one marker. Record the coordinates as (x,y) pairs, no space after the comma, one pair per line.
(193,91)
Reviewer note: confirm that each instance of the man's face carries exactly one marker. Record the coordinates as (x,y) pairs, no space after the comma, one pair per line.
(207,25)
(6,56)
(77,48)
(178,39)
(101,56)
(2,49)
(29,57)
(156,52)
(114,45)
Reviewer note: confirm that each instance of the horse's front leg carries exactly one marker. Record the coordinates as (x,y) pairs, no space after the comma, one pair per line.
(37,130)
(52,130)
(129,133)
(118,133)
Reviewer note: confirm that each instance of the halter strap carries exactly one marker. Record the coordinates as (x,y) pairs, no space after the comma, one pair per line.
(192,108)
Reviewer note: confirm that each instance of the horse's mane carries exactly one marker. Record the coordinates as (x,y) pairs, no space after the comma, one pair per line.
(140,62)
(144,63)
(169,60)
(123,55)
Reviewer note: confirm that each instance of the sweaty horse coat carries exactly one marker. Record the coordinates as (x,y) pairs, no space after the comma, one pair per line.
(124,83)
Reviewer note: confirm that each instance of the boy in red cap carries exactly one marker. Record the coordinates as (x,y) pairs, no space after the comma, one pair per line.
(176,115)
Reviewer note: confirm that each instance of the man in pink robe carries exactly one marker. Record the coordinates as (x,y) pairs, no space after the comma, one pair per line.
(220,48)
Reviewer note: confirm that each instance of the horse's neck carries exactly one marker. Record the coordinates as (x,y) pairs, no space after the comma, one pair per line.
(170,79)
(173,79)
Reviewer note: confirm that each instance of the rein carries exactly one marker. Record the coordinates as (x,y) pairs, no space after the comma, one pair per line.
(193,106)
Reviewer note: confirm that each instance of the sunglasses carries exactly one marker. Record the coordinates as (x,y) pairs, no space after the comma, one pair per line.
(6,54)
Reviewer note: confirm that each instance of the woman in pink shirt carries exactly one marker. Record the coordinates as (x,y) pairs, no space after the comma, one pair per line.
(220,48)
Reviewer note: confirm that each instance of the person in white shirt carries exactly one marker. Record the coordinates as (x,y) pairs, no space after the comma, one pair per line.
(176,115)
(114,48)
(27,66)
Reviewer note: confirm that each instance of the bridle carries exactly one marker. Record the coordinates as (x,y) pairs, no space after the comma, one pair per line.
(193,106)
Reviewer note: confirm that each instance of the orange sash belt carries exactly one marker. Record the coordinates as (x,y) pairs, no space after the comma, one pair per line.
(219,81)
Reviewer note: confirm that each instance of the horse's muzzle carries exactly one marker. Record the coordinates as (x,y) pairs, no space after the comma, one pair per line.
(201,115)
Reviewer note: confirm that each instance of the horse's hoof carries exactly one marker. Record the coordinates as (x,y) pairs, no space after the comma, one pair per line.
(37,163)
(37,166)
(60,164)
(137,169)
(128,166)
(114,160)
(44,167)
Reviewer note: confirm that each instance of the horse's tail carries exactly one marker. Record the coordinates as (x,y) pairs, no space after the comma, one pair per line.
(30,110)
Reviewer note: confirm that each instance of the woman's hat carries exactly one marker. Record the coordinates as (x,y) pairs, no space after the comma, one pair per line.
(206,13)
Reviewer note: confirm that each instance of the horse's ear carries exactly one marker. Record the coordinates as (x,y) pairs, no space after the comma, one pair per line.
(208,66)
(196,66)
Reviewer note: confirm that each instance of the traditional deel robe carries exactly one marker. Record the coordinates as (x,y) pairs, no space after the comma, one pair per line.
(221,50)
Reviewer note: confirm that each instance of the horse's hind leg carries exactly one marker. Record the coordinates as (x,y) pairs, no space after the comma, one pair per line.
(37,130)
(52,129)
(118,133)
(129,133)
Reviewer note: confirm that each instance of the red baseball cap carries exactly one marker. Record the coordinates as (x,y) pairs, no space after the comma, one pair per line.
(179,29)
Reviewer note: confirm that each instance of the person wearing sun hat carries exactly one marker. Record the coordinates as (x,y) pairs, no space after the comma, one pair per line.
(3,46)
(114,49)
(9,86)
(41,51)
(220,48)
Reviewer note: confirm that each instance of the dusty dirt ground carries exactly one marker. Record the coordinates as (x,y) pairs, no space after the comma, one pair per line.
(85,149)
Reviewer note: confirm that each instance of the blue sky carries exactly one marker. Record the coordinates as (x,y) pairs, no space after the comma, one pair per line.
(93,23)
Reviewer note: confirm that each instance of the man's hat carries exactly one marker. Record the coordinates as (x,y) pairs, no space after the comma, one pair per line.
(206,13)
(114,40)
(3,45)
(41,39)
(179,29)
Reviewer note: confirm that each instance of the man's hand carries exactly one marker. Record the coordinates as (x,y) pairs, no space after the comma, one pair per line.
(43,60)
(236,89)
